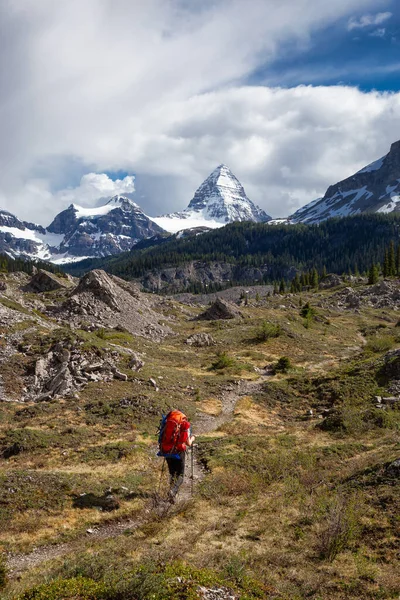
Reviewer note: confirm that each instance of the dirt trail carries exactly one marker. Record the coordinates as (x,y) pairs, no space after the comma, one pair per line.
(204,423)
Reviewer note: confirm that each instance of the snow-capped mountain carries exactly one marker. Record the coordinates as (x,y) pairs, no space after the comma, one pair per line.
(78,233)
(219,200)
(374,189)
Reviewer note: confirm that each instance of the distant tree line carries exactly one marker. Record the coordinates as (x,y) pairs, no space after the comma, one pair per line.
(12,265)
(293,257)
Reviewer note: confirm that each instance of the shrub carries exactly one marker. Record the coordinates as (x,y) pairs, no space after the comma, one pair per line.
(222,361)
(78,588)
(282,365)
(3,573)
(380,344)
(24,440)
(266,331)
(341,527)
(307,311)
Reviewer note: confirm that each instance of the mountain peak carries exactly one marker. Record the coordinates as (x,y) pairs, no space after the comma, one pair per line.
(119,200)
(395,147)
(219,200)
(373,189)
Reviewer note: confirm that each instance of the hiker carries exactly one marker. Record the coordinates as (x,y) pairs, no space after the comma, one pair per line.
(174,439)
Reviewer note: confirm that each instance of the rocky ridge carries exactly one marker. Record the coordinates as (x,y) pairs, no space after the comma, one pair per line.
(373,189)
(101,300)
(78,233)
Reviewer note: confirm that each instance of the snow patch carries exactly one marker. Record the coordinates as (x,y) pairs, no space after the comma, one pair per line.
(374,166)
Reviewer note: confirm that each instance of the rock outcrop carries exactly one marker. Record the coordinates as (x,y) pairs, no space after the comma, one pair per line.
(383,294)
(200,340)
(65,371)
(44,281)
(101,300)
(219,310)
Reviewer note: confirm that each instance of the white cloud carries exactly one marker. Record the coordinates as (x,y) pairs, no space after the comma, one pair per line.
(154,88)
(368,20)
(378,32)
(94,187)
(285,145)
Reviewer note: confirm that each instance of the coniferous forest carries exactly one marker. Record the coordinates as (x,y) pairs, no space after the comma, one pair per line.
(339,245)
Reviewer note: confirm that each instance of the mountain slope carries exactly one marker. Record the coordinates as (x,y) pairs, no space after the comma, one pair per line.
(78,233)
(245,253)
(373,189)
(219,200)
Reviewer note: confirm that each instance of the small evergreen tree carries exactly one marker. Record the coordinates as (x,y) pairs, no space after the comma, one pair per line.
(385,267)
(392,260)
(314,279)
(282,287)
(373,274)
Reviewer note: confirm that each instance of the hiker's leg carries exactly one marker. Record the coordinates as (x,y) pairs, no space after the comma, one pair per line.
(170,471)
(173,468)
(180,474)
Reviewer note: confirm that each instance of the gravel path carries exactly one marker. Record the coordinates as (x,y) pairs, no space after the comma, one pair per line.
(17,563)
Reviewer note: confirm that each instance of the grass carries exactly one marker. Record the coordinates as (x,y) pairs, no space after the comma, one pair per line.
(285,510)
(9,303)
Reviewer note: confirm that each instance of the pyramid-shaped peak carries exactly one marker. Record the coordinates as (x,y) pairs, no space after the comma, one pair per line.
(222,198)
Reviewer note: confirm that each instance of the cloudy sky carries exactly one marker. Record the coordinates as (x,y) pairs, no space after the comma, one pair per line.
(146,98)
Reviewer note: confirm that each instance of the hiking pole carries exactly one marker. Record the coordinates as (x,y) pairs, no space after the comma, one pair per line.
(161,476)
(192,461)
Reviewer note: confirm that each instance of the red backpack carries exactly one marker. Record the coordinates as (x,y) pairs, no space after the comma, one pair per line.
(170,438)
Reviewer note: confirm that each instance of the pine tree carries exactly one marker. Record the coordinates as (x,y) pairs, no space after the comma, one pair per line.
(324,273)
(314,279)
(392,260)
(398,260)
(386,268)
(373,274)
(282,287)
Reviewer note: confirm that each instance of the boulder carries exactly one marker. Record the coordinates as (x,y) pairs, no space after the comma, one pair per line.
(393,470)
(330,281)
(219,310)
(200,340)
(44,281)
(136,363)
(101,286)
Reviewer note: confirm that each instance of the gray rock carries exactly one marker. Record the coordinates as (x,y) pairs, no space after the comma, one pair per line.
(394,468)
(118,375)
(136,363)
(99,284)
(330,281)
(44,281)
(200,340)
(219,310)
